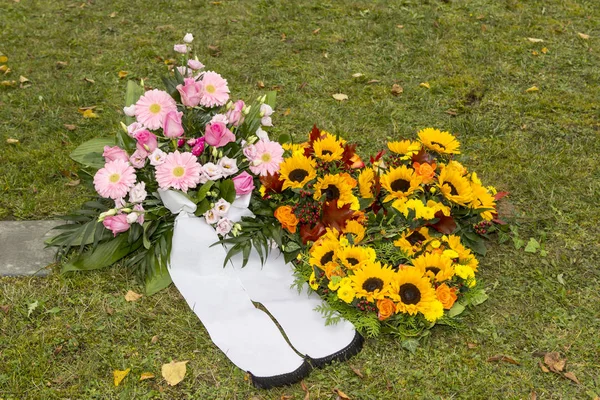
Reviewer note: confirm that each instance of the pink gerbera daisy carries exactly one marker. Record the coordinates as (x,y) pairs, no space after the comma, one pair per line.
(179,171)
(216,92)
(152,107)
(266,158)
(115,179)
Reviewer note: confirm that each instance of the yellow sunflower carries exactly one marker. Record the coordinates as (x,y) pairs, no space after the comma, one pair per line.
(483,199)
(324,254)
(296,171)
(455,187)
(400,182)
(328,148)
(335,187)
(366,180)
(434,265)
(438,141)
(414,293)
(372,281)
(352,257)
(411,241)
(356,229)
(406,148)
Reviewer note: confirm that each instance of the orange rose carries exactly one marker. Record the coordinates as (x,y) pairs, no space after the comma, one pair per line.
(386,308)
(286,218)
(446,295)
(425,171)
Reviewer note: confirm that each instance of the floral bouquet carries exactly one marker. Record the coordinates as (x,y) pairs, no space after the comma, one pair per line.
(389,244)
(188,138)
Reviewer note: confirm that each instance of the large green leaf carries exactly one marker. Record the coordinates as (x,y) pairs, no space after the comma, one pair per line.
(132,95)
(90,152)
(104,255)
(271,98)
(157,281)
(227,190)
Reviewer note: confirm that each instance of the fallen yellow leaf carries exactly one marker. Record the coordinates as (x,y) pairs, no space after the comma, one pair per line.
(3,68)
(357,75)
(340,96)
(12,141)
(8,83)
(89,114)
(70,127)
(341,395)
(544,50)
(316,31)
(425,85)
(583,36)
(397,89)
(535,53)
(120,375)
(174,372)
(260,84)
(146,375)
(88,80)
(555,362)
(22,79)
(132,296)
(3,58)
(123,74)
(113,14)
(534,40)
(571,376)
(83,109)
(532,89)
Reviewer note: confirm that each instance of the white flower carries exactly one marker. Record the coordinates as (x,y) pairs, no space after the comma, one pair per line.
(132,217)
(262,135)
(266,121)
(185,72)
(224,226)
(180,48)
(188,38)
(212,171)
(129,111)
(211,217)
(228,166)
(157,157)
(137,194)
(221,207)
(219,118)
(265,110)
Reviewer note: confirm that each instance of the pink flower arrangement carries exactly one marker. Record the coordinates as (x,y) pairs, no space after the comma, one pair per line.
(146,141)
(266,158)
(115,179)
(114,153)
(116,223)
(152,108)
(243,183)
(216,92)
(172,125)
(235,115)
(179,171)
(217,134)
(191,92)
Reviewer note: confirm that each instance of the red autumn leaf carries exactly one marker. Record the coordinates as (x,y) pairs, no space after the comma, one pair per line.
(377,157)
(499,221)
(500,195)
(445,225)
(423,157)
(315,134)
(271,183)
(335,217)
(308,234)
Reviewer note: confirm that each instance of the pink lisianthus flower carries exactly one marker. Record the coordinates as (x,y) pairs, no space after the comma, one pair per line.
(157,157)
(116,223)
(185,72)
(134,128)
(179,171)
(219,118)
(221,207)
(190,92)
(138,158)
(146,141)
(224,226)
(195,65)
(216,92)
(265,112)
(217,135)
(249,151)
(115,179)
(243,183)
(235,114)
(137,215)
(267,159)
(228,166)
(129,111)
(138,193)
(152,108)
(172,125)
(114,153)
(211,172)
(180,48)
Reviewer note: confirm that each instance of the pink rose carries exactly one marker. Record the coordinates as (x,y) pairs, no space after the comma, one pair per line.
(146,141)
(217,135)
(235,115)
(116,223)
(114,153)
(191,92)
(243,183)
(172,125)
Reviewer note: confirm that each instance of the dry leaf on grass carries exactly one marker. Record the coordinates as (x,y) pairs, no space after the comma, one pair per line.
(174,372)
(571,376)
(146,375)
(88,80)
(316,31)
(123,74)
(583,36)
(372,81)
(70,127)
(132,296)
(397,89)
(73,182)
(5,309)
(120,375)
(357,371)
(357,75)
(503,358)
(425,85)
(3,58)
(533,395)
(340,96)
(534,40)
(555,362)
(154,339)
(341,395)
(260,84)
(532,89)
(113,14)
(543,367)
(89,114)
(305,389)
(12,141)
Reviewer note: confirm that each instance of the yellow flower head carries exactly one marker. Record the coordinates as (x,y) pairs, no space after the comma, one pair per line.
(411,241)
(352,257)
(483,199)
(296,171)
(434,266)
(328,148)
(438,141)
(324,254)
(356,229)
(414,293)
(334,188)
(455,187)
(406,148)
(366,180)
(400,182)
(372,281)
(346,293)
(421,211)
(312,281)
(294,148)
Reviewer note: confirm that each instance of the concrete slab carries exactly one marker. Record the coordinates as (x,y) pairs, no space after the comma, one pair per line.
(22,249)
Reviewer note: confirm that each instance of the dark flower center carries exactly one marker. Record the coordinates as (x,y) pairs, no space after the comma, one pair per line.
(409,294)
(400,185)
(352,261)
(439,144)
(435,270)
(298,175)
(372,284)
(453,190)
(332,192)
(327,152)
(415,237)
(327,257)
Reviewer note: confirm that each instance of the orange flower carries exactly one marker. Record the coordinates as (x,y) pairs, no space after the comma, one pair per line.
(425,171)
(386,308)
(446,295)
(286,218)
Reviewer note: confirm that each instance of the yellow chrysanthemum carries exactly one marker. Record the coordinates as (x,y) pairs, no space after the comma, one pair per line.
(464,271)
(352,257)
(483,199)
(437,206)
(465,256)
(372,281)
(434,266)
(312,281)
(335,188)
(296,171)
(438,141)
(356,229)
(421,211)
(400,182)
(414,293)
(328,149)
(411,241)
(366,180)
(406,148)
(455,187)
(346,293)
(294,148)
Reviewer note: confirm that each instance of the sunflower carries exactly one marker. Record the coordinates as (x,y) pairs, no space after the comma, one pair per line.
(328,148)
(352,257)
(455,187)
(296,171)
(483,199)
(400,182)
(335,187)
(414,293)
(438,141)
(324,257)
(465,256)
(406,148)
(434,265)
(411,241)
(366,180)
(372,281)
(356,229)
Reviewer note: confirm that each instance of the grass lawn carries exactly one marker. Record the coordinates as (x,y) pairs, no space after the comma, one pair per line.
(526,112)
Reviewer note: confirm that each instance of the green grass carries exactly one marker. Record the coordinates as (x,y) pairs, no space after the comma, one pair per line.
(540,146)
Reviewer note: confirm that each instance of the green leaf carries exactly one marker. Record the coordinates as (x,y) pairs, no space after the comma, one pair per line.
(203,191)
(104,255)
(456,309)
(227,190)
(31,307)
(410,345)
(532,246)
(291,247)
(478,297)
(53,310)
(90,152)
(284,138)
(157,281)
(132,95)
(271,98)
(202,207)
